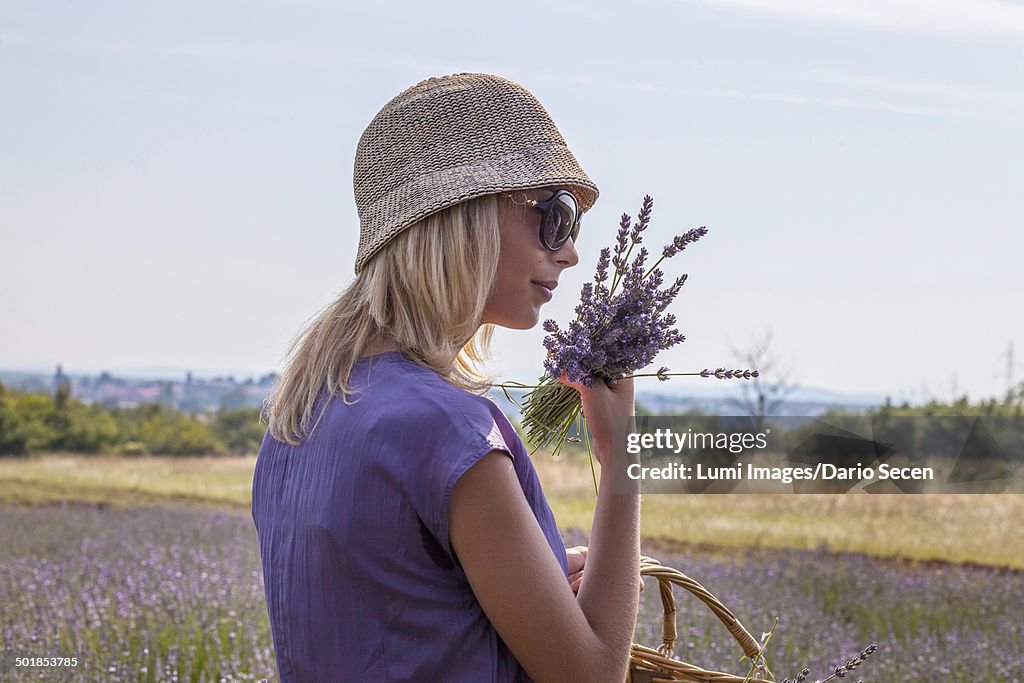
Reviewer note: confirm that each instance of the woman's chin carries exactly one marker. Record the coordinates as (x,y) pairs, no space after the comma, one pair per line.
(517,319)
(531,322)
(519,323)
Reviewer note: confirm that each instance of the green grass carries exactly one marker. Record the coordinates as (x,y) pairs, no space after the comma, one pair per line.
(955,528)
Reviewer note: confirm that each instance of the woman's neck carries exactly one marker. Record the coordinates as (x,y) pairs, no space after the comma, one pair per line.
(378,344)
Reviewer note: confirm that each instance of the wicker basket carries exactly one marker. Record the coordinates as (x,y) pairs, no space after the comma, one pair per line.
(658,666)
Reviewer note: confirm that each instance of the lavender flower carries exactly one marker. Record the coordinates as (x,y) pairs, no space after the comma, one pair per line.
(722,373)
(841,670)
(680,242)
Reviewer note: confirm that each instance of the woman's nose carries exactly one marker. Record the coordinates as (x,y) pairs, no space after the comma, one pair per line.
(567,254)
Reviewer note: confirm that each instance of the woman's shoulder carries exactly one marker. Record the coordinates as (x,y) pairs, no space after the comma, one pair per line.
(415,391)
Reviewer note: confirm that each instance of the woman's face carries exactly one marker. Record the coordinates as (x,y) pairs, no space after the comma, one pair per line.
(517,297)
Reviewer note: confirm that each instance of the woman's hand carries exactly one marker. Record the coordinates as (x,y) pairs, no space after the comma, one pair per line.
(602,405)
(577,558)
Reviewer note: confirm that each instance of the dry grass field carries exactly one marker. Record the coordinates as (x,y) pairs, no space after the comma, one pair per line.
(957,528)
(951,527)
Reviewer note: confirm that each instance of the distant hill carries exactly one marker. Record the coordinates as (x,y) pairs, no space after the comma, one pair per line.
(189,392)
(186,393)
(810,402)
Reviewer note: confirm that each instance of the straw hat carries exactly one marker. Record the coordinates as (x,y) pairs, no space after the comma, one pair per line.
(453,138)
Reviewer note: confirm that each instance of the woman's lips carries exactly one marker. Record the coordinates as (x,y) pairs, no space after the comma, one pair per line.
(545,289)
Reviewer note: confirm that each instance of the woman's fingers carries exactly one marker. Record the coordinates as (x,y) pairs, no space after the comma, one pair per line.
(576,558)
(564,379)
(578,550)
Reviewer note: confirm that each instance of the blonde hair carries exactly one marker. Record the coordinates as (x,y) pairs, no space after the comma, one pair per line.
(426,289)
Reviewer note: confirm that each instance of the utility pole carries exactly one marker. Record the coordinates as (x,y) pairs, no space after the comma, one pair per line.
(1010,365)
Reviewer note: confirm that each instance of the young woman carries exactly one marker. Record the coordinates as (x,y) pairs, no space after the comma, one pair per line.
(403,531)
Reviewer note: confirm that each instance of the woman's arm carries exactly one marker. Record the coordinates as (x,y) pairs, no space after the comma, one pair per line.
(554,635)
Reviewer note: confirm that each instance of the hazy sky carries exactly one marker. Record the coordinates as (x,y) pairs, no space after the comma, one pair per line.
(176,179)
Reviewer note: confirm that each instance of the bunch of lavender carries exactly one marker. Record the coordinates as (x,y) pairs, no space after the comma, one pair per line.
(613,335)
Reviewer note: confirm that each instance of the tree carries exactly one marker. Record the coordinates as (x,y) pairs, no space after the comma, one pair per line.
(240,430)
(58,421)
(24,418)
(12,440)
(762,396)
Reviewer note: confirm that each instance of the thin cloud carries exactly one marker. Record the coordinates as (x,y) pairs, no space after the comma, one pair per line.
(581,11)
(953,17)
(798,99)
(917,87)
(960,100)
(245,51)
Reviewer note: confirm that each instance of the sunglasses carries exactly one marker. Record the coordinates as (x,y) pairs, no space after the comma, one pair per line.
(560,217)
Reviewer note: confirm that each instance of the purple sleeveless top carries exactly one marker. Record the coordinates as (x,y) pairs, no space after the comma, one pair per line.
(361,583)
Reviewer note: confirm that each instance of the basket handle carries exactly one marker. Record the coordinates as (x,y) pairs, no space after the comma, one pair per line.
(667,576)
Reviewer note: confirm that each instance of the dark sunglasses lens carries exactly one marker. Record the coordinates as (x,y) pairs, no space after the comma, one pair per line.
(554,228)
(560,221)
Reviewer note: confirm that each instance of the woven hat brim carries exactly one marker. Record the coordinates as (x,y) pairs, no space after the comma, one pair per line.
(533,167)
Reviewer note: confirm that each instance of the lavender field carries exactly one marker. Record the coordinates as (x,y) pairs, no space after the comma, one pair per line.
(164,593)
(174,593)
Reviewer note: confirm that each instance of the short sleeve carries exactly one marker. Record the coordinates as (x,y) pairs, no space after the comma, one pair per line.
(465,435)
